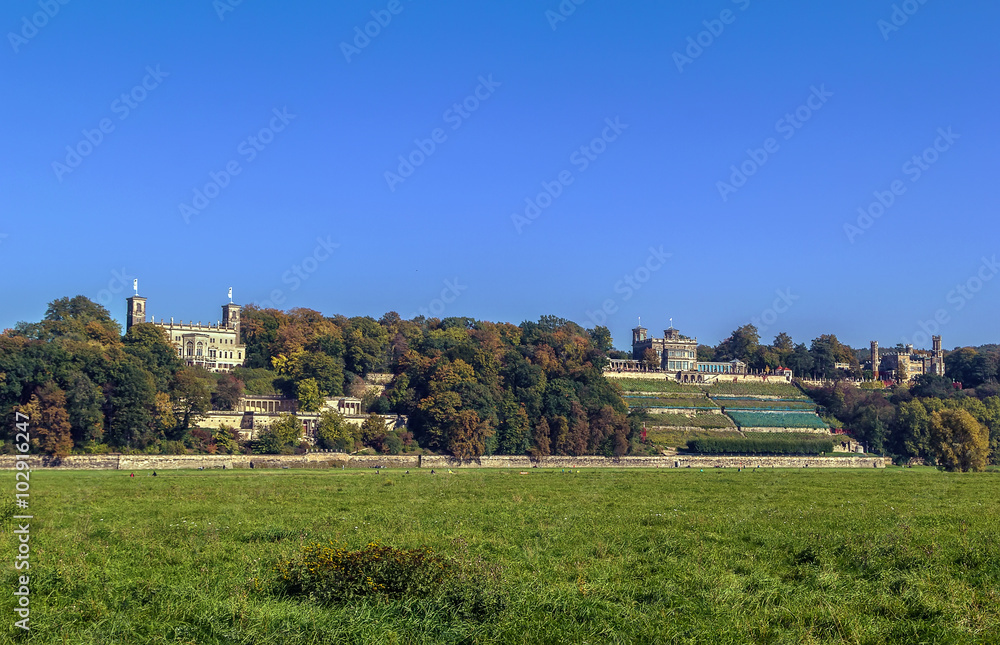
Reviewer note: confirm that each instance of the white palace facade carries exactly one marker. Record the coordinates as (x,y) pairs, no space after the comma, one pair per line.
(217,347)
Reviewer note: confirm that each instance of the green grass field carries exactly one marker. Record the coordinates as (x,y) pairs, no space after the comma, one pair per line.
(652,556)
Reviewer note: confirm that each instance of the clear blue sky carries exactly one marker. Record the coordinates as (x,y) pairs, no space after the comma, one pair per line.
(878,97)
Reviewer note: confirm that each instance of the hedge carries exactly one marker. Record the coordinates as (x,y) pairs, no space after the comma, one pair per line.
(762,444)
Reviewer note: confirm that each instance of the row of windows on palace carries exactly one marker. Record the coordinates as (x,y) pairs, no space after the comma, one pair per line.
(198,350)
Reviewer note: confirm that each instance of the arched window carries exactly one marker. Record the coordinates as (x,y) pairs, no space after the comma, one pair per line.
(190,348)
(199,349)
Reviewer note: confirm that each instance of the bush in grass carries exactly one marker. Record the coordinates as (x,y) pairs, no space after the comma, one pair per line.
(762,444)
(332,574)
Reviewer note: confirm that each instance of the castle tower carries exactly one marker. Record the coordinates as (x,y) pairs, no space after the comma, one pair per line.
(875,360)
(937,356)
(639,334)
(231,317)
(136,312)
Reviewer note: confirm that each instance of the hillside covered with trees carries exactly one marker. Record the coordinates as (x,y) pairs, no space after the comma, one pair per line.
(469,387)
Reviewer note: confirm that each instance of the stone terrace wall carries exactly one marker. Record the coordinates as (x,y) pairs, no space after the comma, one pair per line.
(341,460)
(822,431)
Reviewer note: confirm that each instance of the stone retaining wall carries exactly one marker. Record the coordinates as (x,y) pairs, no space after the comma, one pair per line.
(341,460)
(822,431)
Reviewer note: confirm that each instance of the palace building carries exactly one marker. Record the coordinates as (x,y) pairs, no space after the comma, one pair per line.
(676,356)
(907,363)
(217,347)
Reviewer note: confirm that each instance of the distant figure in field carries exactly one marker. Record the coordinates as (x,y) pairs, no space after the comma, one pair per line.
(432,471)
(154,473)
(251,464)
(132,475)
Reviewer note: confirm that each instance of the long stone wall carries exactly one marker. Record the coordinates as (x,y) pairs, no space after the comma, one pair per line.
(672,461)
(341,460)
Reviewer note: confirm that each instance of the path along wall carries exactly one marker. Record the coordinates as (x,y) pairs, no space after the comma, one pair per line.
(341,460)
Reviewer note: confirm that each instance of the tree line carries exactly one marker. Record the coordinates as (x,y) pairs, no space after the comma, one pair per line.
(469,387)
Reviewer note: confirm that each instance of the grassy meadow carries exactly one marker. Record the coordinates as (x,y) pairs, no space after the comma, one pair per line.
(592,556)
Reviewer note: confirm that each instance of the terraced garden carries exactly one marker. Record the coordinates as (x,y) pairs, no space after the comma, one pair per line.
(648,385)
(775,419)
(682,420)
(744,403)
(692,402)
(784,390)
(671,437)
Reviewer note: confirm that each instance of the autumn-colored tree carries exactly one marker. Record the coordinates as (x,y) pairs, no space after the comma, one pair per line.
(467,439)
(560,435)
(960,442)
(540,438)
(651,359)
(163,414)
(372,432)
(228,392)
(310,399)
(579,430)
(226,440)
(52,424)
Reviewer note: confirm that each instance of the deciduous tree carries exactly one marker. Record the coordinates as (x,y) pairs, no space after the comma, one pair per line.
(960,442)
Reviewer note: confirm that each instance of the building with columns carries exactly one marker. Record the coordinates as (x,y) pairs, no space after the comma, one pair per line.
(217,347)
